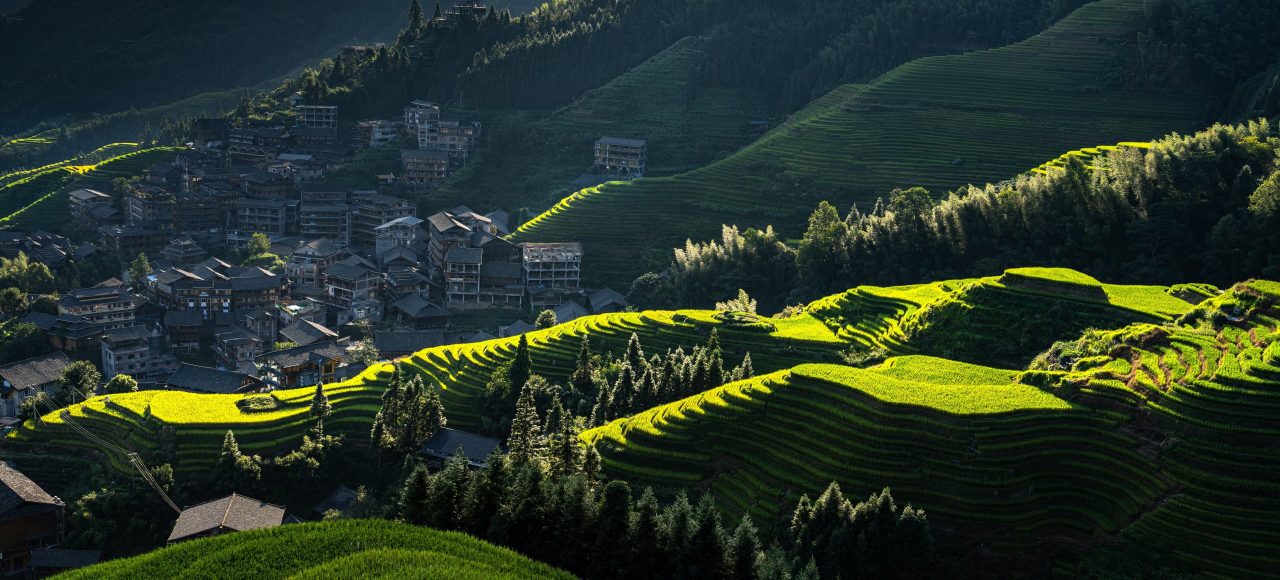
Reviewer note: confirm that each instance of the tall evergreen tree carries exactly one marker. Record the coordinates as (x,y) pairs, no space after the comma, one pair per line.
(415,14)
(320,406)
(743,549)
(609,555)
(414,496)
(521,366)
(525,429)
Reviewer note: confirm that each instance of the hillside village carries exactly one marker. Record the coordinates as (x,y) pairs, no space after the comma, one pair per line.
(325,271)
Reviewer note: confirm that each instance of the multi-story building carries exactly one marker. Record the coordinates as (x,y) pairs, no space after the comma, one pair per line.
(237,348)
(621,157)
(370,210)
(351,288)
(419,113)
(151,207)
(374,134)
(166,175)
(317,116)
(134,240)
(325,213)
(204,212)
(401,232)
(105,306)
(267,185)
(475,266)
(214,287)
(83,202)
(424,168)
(551,270)
(183,250)
(306,267)
(136,351)
(456,137)
(274,217)
(464,11)
(31,520)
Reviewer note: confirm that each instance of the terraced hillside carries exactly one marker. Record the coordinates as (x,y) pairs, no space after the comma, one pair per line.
(890,318)
(1140,433)
(33,198)
(655,100)
(341,549)
(940,122)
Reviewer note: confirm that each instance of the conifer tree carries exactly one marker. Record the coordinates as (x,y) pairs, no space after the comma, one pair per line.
(525,428)
(612,524)
(635,354)
(705,554)
(521,366)
(415,14)
(414,496)
(743,549)
(644,539)
(320,406)
(591,464)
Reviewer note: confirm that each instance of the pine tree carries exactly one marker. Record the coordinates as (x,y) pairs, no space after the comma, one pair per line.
(521,366)
(591,463)
(746,370)
(707,550)
(437,12)
(743,549)
(414,496)
(320,406)
(635,354)
(612,524)
(647,557)
(525,428)
(415,14)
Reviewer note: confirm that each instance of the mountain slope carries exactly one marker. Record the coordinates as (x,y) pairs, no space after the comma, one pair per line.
(940,122)
(1153,434)
(339,549)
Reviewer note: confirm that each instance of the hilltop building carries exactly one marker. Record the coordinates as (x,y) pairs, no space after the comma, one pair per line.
(234,513)
(424,168)
(370,210)
(621,157)
(450,135)
(108,305)
(551,271)
(317,116)
(374,134)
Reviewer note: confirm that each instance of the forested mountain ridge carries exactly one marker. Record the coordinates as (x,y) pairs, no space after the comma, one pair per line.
(148,53)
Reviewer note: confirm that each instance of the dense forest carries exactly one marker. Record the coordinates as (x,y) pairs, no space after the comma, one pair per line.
(1204,207)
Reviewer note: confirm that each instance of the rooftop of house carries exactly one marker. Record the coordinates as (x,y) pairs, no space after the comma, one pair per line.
(448,442)
(299,355)
(604,297)
(415,306)
(20,496)
(405,341)
(127,334)
(196,378)
(408,220)
(431,154)
(625,142)
(35,371)
(234,512)
(89,195)
(63,559)
(304,332)
(321,247)
(552,251)
(516,328)
(340,500)
(460,255)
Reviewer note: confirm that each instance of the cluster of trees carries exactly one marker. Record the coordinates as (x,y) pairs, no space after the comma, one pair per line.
(601,388)
(757,261)
(238,472)
(601,529)
(1202,207)
(411,413)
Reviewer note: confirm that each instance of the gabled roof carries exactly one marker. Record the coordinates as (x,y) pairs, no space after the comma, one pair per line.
(89,195)
(191,377)
(516,328)
(416,306)
(444,222)
(405,220)
(340,500)
(460,255)
(604,297)
(36,371)
(399,253)
(305,332)
(39,319)
(18,493)
(320,247)
(181,318)
(569,311)
(447,442)
(234,512)
(396,341)
(621,141)
(298,355)
(479,336)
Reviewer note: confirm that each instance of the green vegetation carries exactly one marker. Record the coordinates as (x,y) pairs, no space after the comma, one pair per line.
(36,199)
(938,122)
(1142,433)
(340,549)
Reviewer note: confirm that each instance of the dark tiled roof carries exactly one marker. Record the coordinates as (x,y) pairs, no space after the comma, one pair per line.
(447,442)
(516,328)
(180,318)
(305,332)
(464,255)
(191,377)
(320,247)
(298,355)
(417,307)
(349,272)
(34,372)
(424,154)
(17,490)
(255,282)
(621,141)
(443,222)
(340,500)
(604,297)
(39,319)
(405,341)
(128,333)
(234,512)
(403,220)
(60,559)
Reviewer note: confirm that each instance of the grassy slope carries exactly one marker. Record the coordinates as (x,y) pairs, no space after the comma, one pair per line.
(685,129)
(33,199)
(817,335)
(1173,431)
(341,549)
(940,122)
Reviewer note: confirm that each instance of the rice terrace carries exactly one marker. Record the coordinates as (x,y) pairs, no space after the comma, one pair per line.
(622,289)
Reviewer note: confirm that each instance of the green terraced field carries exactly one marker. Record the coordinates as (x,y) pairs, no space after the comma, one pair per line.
(1174,429)
(35,199)
(340,549)
(861,317)
(940,122)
